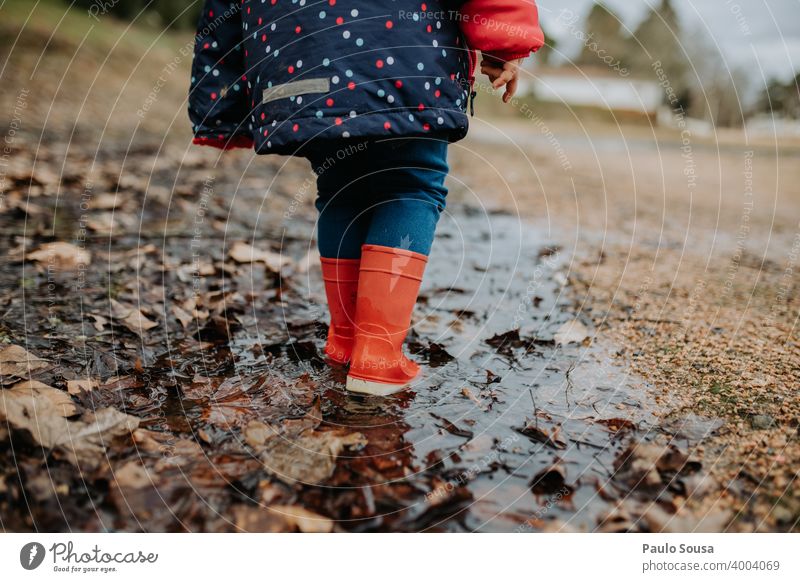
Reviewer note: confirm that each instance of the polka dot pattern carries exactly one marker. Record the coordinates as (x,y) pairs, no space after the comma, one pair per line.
(391,70)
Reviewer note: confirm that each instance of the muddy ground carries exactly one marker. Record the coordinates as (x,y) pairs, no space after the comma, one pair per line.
(209,340)
(186,297)
(608,326)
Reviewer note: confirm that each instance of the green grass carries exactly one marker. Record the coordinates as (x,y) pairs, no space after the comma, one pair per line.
(73,26)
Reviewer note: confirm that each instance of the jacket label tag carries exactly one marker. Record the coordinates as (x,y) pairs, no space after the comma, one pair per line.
(296,88)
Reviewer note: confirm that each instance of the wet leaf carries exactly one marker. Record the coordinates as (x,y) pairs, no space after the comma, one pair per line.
(27,400)
(100,322)
(131,317)
(256,433)
(133,475)
(106,201)
(259,519)
(103,223)
(550,481)
(309,458)
(618,425)
(242,252)
(78,386)
(434,353)
(653,465)
(478,402)
(184,317)
(539,435)
(84,442)
(304,520)
(150,441)
(17,362)
(452,428)
(41,411)
(504,343)
(60,256)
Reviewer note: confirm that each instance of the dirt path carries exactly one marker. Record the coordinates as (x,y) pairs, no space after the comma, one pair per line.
(685,255)
(213,360)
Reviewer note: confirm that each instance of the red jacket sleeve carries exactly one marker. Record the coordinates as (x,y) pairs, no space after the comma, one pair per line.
(503,29)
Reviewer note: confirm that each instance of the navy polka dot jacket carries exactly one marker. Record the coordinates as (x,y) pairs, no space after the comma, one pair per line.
(276,74)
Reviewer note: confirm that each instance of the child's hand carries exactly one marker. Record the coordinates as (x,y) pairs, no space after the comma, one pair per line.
(502,73)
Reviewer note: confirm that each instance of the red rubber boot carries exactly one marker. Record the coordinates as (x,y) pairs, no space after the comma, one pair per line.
(341,286)
(388,286)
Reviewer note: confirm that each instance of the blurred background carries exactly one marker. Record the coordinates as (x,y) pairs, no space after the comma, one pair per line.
(730,63)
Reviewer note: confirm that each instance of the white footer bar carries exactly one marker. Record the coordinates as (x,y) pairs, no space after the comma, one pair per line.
(398,557)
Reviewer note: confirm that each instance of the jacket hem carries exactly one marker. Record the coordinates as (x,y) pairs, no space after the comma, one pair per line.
(225,142)
(281,137)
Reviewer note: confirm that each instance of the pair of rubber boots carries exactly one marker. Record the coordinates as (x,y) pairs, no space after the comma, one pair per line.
(371,301)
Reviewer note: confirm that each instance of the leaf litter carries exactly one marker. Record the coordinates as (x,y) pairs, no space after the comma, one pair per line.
(181,387)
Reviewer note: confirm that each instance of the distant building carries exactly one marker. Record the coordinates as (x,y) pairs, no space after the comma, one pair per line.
(596,87)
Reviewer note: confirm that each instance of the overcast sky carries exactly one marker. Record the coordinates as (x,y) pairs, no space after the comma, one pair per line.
(772,45)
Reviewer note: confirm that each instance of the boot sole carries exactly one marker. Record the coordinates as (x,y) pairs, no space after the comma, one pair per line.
(359,386)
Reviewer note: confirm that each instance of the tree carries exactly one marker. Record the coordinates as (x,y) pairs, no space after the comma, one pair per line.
(658,38)
(603,38)
(544,55)
(781,98)
(717,89)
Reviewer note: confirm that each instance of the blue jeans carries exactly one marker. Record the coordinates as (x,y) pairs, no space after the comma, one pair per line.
(387,193)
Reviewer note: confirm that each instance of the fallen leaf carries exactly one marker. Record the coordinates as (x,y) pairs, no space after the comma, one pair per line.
(258,519)
(256,433)
(83,442)
(645,464)
(539,435)
(17,362)
(478,402)
(618,425)
(36,398)
(242,252)
(310,458)
(78,386)
(132,475)
(103,223)
(61,256)
(304,520)
(149,441)
(41,411)
(571,332)
(131,317)
(100,322)
(105,201)
(183,316)
(506,342)
(551,481)
(452,428)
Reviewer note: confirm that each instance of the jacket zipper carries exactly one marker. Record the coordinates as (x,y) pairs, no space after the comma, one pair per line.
(473,58)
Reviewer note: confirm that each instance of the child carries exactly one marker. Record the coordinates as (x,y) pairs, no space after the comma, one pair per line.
(371,93)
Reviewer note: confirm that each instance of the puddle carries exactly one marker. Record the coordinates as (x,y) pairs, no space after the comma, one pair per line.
(504,430)
(499,407)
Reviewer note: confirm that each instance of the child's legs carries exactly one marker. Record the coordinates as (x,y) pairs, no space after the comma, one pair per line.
(343,203)
(407,193)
